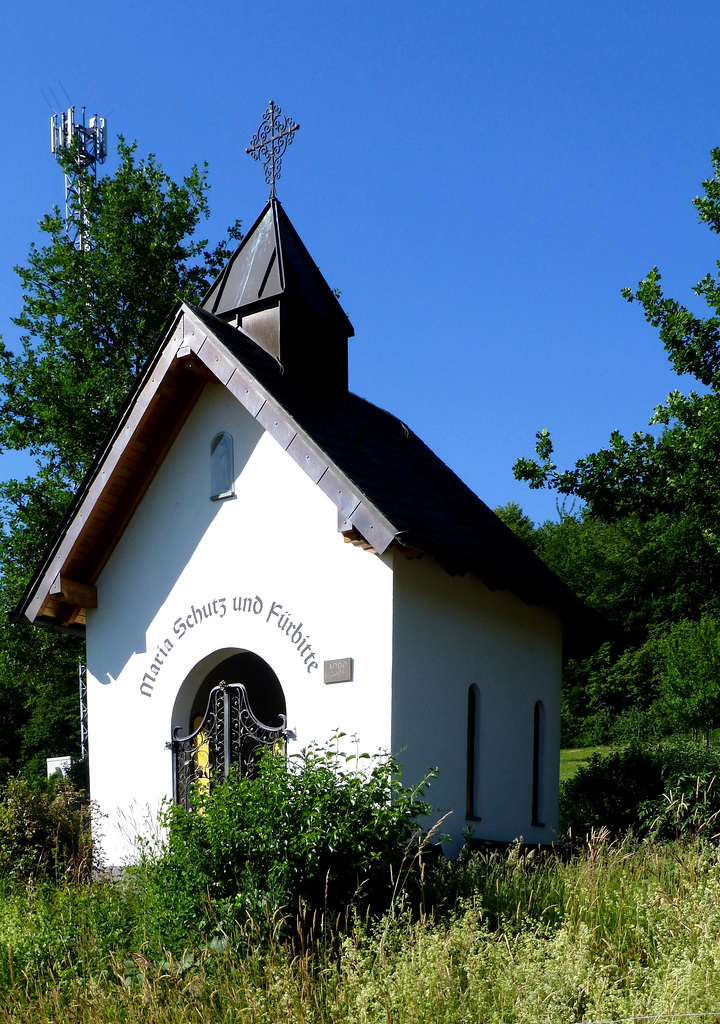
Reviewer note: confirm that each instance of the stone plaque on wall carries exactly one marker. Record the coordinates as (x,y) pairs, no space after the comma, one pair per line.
(339,671)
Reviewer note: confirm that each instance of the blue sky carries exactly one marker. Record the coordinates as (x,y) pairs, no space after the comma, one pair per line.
(479,179)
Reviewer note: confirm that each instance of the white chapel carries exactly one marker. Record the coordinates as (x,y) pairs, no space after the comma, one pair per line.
(258,555)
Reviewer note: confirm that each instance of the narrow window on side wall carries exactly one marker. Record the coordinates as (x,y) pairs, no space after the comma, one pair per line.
(222,470)
(538,813)
(472,791)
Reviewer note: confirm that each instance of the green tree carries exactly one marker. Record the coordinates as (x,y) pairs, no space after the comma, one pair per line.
(691,675)
(675,470)
(658,488)
(89,317)
(520,523)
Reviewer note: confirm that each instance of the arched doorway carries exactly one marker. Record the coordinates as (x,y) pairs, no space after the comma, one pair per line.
(233,711)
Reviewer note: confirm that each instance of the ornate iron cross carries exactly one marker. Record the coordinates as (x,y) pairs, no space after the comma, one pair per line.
(270,141)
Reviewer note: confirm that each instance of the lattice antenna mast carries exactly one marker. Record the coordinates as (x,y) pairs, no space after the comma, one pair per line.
(83,147)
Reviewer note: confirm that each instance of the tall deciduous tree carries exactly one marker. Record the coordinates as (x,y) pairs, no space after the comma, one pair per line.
(90,315)
(676,471)
(89,318)
(660,490)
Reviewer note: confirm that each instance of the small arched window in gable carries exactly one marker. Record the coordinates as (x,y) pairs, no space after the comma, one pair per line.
(222,469)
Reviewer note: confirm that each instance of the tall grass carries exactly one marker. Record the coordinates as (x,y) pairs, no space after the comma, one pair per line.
(620,930)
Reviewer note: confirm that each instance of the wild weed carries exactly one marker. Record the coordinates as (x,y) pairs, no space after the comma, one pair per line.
(635,932)
(618,928)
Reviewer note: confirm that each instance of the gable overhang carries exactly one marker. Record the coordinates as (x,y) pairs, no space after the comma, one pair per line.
(187,357)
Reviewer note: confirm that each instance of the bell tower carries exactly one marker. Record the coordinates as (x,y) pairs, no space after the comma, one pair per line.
(272,290)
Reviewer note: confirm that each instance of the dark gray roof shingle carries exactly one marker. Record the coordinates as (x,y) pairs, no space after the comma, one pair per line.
(428,505)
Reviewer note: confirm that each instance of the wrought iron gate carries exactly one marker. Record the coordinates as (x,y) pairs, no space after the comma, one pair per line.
(229,734)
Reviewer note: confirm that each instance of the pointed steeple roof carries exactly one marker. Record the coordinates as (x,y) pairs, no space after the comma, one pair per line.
(272,263)
(273,291)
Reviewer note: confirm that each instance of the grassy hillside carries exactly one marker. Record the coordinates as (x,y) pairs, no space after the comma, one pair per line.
(572,759)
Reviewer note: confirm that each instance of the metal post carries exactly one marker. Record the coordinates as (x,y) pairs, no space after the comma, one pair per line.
(82,679)
(172,746)
(226,731)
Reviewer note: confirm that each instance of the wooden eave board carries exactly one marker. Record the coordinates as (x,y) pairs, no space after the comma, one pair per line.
(107,517)
(122,475)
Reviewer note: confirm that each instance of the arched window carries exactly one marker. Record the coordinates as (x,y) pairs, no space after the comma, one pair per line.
(222,469)
(472,790)
(538,813)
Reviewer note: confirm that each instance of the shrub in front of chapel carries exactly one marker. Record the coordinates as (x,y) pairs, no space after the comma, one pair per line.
(45,831)
(317,831)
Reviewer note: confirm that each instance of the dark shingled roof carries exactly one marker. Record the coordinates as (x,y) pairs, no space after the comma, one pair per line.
(429,507)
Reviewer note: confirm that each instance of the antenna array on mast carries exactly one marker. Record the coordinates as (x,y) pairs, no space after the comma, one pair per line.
(84,146)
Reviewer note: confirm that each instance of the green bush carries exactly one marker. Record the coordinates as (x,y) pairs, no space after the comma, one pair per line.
(45,831)
(665,791)
(608,790)
(314,832)
(689,804)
